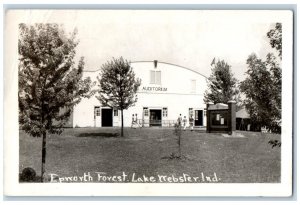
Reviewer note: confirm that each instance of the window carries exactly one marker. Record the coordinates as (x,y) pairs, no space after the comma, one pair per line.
(97,111)
(116,113)
(152,77)
(155,77)
(146,112)
(193,86)
(158,77)
(165,112)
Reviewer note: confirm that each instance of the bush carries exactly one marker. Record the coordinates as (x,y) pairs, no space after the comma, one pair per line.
(28,175)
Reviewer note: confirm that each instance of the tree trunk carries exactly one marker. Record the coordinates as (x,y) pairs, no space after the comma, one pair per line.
(122,123)
(179,142)
(43,156)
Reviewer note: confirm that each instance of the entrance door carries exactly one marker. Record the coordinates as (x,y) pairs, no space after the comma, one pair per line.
(198,117)
(107,117)
(97,116)
(155,117)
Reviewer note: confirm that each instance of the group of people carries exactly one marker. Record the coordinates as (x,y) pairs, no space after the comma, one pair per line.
(134,122)
(183,122)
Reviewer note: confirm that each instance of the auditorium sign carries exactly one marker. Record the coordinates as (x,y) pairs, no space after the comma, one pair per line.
(157,89)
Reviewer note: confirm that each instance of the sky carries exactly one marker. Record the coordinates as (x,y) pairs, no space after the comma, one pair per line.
(187,38)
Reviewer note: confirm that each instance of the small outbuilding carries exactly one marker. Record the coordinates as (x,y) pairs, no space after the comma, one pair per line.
(243,121)
(221,117)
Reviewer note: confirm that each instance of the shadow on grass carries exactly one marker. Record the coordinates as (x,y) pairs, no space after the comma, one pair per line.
(200,131)
(98,134)
(174,156)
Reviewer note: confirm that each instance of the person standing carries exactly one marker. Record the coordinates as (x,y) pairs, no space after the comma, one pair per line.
(184,123)
(137,121)
(132,120)
(179,121)
(191,121)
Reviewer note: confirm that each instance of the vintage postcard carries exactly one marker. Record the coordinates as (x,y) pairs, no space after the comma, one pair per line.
(148,102)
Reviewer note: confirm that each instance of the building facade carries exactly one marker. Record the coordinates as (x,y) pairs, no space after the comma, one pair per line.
(166,91)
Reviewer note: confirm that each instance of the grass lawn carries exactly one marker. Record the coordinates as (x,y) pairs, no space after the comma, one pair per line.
(143,151)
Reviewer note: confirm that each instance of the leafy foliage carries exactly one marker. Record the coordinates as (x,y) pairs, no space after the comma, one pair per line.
(275,36)
(262,88)
(222,86)
(118,85)
(275,143)
(28,175)
(49,83)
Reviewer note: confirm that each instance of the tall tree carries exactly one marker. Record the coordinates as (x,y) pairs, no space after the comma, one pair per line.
(222,85)
(262,88)
(118,86)
(49,83)
(262,85)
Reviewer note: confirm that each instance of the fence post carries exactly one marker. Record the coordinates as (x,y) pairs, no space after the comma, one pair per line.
(231,117)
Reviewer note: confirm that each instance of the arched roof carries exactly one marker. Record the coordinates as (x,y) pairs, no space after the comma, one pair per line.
(158,62)
(172,65)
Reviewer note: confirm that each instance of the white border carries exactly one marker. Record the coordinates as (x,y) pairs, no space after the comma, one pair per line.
(11,142)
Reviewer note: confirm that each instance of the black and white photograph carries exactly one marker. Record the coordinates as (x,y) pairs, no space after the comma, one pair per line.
(148,102)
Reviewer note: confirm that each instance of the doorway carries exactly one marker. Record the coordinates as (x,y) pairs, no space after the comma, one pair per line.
(155,117)
(198,117)
(107,117)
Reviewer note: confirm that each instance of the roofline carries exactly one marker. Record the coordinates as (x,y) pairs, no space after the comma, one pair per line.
(172,65)
(158,62)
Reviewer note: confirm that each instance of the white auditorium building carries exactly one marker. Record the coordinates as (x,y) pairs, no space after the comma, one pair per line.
(166,91)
